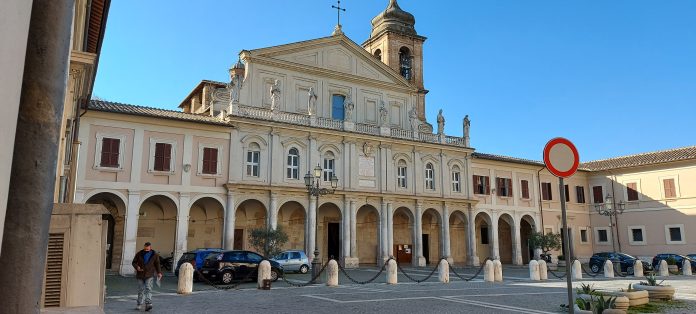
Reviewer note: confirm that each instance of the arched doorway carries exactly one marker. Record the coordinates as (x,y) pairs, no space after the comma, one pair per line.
(484,240)
(458,237)
(115,220)
(431,236)
(157,224)
(367,237)
(505,238)
(404,239)
(291,219)
(526,229)
(250,215)
(329,232)
(205,224)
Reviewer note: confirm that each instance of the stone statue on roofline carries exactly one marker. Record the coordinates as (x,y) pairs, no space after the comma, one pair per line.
(467,126)
(440,123)
(312,102)
(275,95)
(413,118)
(348,107)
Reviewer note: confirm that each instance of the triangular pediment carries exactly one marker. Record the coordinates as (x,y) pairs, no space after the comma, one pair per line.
(336,54)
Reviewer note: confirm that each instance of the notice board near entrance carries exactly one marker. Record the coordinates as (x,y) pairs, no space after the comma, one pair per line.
(403,253)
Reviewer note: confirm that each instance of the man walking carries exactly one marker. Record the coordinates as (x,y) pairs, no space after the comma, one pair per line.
(147,265)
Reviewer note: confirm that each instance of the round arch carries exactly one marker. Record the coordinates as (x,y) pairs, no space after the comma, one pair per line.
(292,217)
(367,234)
(527,226)
(483,232)
(250,214)
(403,221)
(116,193)
(216,197)
(431,223)
(157,222)
(329,228)
(206,220)
(459,236)
(505,236)
(116,206)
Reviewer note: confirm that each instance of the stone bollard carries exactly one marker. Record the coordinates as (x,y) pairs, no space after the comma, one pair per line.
(664,268)
(443,271)
(488,271)
(638,268)
(543,270)
(497,271)
(332,274)
(686,268)
(264,272)
(608,269)
(391,272)
(576,270)
(534,270)
(185,279)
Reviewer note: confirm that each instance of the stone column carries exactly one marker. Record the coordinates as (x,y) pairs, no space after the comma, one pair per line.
(419,234)
(236,158)
(495,246)
(182,222)
(273,212)
(446,234)
(383,231)
(311,227)
(471,236)
(353,231)
(516,243)
(130,232)
(230,211)
(345,228)
(390,229)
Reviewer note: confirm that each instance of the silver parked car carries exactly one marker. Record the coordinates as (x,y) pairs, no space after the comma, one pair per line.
(293,260)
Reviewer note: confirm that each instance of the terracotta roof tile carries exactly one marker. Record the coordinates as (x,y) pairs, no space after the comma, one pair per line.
(644,159)
(508,159)
(108,106)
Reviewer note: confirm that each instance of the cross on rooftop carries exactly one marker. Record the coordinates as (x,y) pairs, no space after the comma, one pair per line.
(338,11)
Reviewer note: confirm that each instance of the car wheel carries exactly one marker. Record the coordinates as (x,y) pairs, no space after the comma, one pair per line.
(227,277)
(274,275)
(629,270)
(595,268)
(304,269)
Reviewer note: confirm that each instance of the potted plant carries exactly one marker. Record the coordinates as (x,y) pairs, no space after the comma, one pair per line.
(656,291)
(672,264)
(635,297)
(596,304)
(546,243)
(588,293)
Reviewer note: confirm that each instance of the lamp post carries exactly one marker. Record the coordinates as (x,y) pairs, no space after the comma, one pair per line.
(312,181)
(611,209)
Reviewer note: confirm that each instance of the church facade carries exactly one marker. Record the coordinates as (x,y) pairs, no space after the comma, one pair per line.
(237,156)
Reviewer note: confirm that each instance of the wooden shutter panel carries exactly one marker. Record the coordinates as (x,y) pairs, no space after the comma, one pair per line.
(206,160)
(54,270)
(670,190)
(159,157)
(632,191)
(598,194)
(499,183)
(509,186)
(105,152)
(525,189)
(167,157)
(213,160)
(487,183)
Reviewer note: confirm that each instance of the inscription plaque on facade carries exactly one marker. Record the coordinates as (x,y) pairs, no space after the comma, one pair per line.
(367,166)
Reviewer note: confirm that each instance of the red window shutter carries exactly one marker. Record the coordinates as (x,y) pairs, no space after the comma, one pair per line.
(213,160)
(598,194)
(499,183)
(110,151)
(210,160)
(487,183)
(167,157)
(632,191)
(670,190)
(509,186)
(525,189)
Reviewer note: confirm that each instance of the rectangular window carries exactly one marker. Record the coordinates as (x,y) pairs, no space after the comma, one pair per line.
(484,235)
(328,170)
(401,176)
(163,157)
(675,234)
(597,194)
(210,160)
(109,152)
(583,236)
(525,189)
(293,165)
(670,190)
(580,193)
(602,235)
(429,178)
(637,234)
(504,186)
(632,191)
(546,191)
(337,107)
(253,163)
(482,185)
(456,182)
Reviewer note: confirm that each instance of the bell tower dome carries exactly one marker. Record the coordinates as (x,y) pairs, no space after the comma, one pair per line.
(394,41)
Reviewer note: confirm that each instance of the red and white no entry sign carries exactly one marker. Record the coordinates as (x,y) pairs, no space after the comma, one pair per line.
(561,157)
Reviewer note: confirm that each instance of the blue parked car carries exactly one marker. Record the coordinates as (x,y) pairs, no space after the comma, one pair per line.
(196,258)
(293,260)
(626,261)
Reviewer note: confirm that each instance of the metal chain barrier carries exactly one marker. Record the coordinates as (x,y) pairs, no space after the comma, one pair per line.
(417,280)
(384,266)
(617,270)
(478,272)
(311,281)
(589,273)
(553,273)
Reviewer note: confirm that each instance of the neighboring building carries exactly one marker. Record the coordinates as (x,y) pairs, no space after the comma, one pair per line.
(236,156)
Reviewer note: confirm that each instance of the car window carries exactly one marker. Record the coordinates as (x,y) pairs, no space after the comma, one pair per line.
(234,256)
(253,257)
(282,256)
(295,255)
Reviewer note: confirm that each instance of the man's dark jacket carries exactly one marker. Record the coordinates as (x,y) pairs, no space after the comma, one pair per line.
(147,270)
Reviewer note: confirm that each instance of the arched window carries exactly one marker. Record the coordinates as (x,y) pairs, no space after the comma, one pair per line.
(253,160)
(456,179)
(429,176)
(329,166)
(401,170)
(293,170)
(378,54)
(405,62)
(337,101)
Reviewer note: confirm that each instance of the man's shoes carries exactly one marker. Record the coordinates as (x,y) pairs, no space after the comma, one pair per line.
(148,307)
(139,307)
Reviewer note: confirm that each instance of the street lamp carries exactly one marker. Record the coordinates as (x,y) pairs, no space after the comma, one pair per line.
(611,209)
(312,183)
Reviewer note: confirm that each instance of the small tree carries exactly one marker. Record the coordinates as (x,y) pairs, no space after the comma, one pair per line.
(546,242)
(268,242)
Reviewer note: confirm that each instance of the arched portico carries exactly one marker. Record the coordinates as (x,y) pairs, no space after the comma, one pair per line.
(205,224)
(250,214)
(329,232)
(291,219)
(404,236)
(367,229)
(432,242)
(458,237)
(484,240)
(505,241)
(157,224)
(115,230)
(526,229)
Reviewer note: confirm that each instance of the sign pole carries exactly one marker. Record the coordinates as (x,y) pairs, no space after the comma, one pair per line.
(566,246)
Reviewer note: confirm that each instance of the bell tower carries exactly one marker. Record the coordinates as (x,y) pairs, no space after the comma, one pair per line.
(394,41)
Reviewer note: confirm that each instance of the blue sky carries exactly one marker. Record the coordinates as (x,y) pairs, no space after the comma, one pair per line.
(615,77)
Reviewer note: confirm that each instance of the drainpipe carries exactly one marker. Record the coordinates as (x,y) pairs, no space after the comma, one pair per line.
(616,216)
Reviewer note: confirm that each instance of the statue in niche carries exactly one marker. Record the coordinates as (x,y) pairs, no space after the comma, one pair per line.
(348,107)
(413,118)
(440,123)
(275,95)
(312,102)
(383,113)
(235,86)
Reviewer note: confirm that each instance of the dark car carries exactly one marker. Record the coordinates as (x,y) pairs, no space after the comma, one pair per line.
(679,258)
(626,261)
(196,258)
(692,256)
(229,266)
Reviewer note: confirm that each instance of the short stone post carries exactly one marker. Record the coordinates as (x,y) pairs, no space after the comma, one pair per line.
(497,271)
(391,272)
(534,270)
(664,268)
(185,279)
(638,268)
(443,271)
(608,269)
(489,271)
(263,273)
(332,274)
(576,270)
(686,268)
(543,270)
